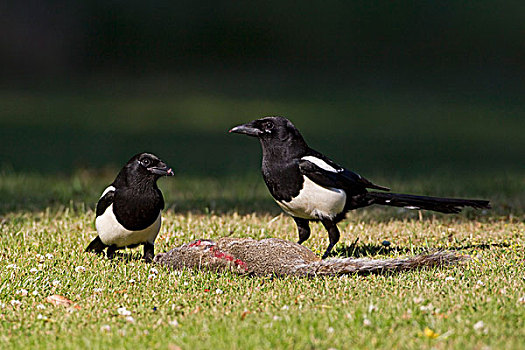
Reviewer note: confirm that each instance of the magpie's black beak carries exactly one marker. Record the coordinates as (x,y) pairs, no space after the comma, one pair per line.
(246,129)
(162,170)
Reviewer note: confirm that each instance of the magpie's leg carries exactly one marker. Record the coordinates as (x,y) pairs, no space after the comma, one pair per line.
(303,226)
(149,252)
(333,235)
(110,253)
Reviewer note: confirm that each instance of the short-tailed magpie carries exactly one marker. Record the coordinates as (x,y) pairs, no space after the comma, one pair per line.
(310,187)
(129,211)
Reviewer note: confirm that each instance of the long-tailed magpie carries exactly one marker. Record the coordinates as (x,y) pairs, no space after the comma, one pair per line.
(129,211)
(310,187)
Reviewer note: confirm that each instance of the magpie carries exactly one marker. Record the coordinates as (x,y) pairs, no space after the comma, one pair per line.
(309,186)
(129,211)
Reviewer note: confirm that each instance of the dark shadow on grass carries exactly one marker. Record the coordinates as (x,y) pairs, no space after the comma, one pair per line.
(356,250)
(127,256)
(481,246)
(369,250)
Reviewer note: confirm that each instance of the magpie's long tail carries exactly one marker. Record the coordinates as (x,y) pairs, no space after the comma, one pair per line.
(442,205)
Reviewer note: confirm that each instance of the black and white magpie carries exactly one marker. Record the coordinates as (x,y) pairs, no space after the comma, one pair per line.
(129,211)
(310,187)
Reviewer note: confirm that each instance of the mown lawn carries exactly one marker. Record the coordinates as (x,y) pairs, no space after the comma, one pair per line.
(47,220)
(60,148)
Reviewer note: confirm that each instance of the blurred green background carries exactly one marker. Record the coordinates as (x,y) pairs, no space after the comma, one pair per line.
(407,90)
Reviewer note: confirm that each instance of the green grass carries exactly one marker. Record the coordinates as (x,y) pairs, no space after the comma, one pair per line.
(46,222)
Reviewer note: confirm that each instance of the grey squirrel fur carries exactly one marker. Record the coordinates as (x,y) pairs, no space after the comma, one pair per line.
(274,256)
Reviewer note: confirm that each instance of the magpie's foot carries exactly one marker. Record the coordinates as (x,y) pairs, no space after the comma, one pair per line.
(111,252)
(149,252)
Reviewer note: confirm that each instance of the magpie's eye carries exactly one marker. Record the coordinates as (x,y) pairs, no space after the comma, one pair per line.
(146,162)
(268,126)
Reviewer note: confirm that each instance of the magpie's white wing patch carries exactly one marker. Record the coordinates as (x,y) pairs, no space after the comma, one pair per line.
(111,232)
(321,164)
(108,189)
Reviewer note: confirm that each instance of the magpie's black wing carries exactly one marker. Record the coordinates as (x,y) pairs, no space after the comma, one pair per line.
(328,174)
(161,200)
(104,202)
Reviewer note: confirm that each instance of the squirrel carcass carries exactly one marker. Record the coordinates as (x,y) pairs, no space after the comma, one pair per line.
(274,256)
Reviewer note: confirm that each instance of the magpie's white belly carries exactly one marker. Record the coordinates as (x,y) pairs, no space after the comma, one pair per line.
(112,232)
(315,202)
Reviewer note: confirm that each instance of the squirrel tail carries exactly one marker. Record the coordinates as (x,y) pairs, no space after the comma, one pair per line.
(346,266)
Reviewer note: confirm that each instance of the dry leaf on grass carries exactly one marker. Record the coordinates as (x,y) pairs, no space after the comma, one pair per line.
(58,300)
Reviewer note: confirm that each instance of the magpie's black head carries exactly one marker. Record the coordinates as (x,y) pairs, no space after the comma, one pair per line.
(271,130)
(147,166)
